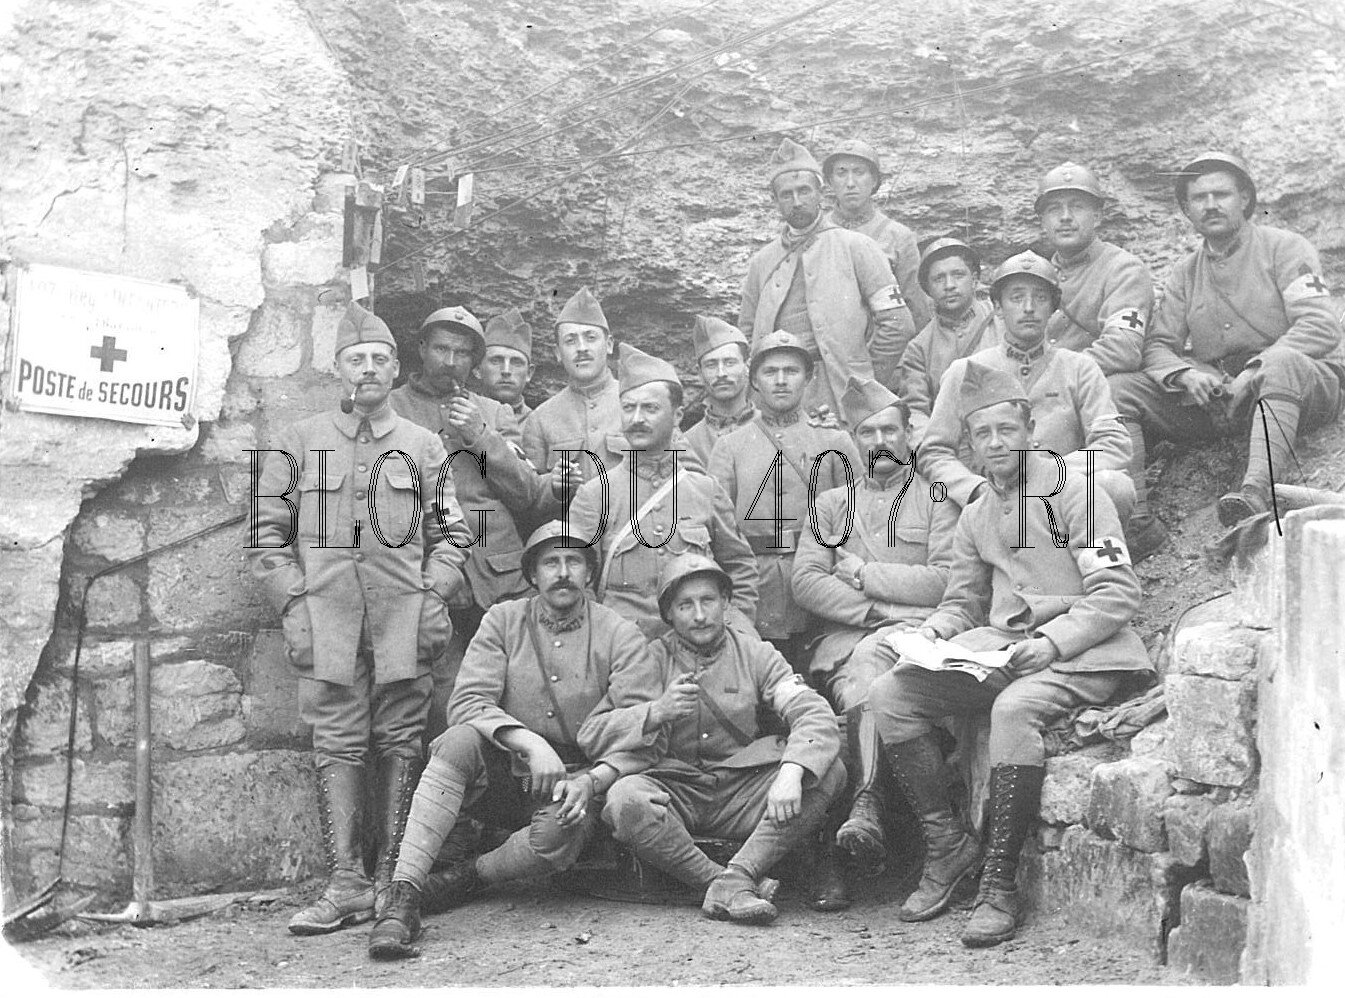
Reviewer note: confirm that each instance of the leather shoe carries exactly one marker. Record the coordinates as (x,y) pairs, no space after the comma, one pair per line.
(1234,507)
(827,891)
(348,900)
(398,927)
(733,897)
(939,879)
(449,888)
(1145,536)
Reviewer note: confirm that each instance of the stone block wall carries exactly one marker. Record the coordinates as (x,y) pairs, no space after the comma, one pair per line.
(1146,841)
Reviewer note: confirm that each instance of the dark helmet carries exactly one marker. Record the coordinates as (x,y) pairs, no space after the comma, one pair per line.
(1214,161)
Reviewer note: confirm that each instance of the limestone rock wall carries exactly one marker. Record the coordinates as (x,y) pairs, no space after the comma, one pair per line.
(181,143)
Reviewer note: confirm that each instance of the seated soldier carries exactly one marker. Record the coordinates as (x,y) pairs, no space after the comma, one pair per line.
(530,677)
(1033,576)
(879,555)
(693,712)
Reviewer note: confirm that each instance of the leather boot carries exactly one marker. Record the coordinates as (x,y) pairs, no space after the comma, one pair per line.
(733,896)
(398,927)
(827,891)
(395,785)
(450,887)
(349,897)
(951,854)
(862,833)
(1015,802)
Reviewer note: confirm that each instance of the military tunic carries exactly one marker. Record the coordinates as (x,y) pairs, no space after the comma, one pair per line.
(521,411)
(906,561)
(630,566)
(1081,596)
(848,284)
(349,584)
(1107,295)
(902,250)
(935,347)
(702,435)
(508,489)
(744,462)
(1071,404)
(577,419)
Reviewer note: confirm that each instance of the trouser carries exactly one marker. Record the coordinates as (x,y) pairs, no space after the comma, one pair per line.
(1300,394)
(367,720)
(907,702)
(847,685)
(656,813)
(467,774)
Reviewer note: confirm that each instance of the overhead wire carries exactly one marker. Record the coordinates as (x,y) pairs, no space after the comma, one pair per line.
(958,94)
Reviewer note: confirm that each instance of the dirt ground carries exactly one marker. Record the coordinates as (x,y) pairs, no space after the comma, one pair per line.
(537,936)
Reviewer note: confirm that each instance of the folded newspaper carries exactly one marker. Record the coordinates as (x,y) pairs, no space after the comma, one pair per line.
(939,655)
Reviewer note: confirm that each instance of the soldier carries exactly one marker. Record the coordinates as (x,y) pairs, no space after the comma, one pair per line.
(721,356)
(531,676)
(1245,322)
(648,509)
(490,474)
(879,555)
(584,415)
(830,287)
(348,595)
(963,324)
(1106,297)
(507,367)
(1072,405)
(694,711)
(854,173)
(771,469)
(1062,611)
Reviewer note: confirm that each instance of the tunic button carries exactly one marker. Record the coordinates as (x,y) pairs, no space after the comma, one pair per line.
(1228,325)
(361,468)
(360,495)
(555,679)
(550,713)
(359,557)
(558,644)
(705,734)
(364,440)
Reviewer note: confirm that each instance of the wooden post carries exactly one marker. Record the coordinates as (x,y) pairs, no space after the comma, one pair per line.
(1296,862)
(142,833)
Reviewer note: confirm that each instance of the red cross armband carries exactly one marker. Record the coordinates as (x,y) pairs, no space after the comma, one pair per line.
(1129,319)
(1306,286)
(1107,552)
(886,298)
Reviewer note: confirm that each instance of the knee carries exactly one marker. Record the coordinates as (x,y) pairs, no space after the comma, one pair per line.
(1010,711)
(555,844)
(1284,373)
(886,694)
(630,805)
(1120,489)
(458,743)
(833,780)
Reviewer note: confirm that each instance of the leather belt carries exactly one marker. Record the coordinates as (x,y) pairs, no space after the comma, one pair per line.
(766,544)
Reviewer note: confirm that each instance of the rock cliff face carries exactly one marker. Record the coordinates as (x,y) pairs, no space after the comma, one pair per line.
(968,102)
(619,145)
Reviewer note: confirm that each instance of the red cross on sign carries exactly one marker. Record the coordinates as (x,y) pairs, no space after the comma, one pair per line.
(107,354)
(1316,284)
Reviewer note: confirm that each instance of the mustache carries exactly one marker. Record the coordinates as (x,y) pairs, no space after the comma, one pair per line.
(721,381)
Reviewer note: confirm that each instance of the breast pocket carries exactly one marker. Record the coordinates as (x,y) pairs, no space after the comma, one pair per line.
(323,514)
(691,538)
(394,508)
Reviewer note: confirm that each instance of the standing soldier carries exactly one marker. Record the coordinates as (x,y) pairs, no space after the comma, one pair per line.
(363,610)
(854,173)
(772,468)
(880,556)
(1245,320)
(721,356)
(648,509)
(1062,609)
(963,324)
(1106,297)
(1072,404)
(584,415)
(694,710)
(830,287)
(492,478)
(506,368)
(531,676)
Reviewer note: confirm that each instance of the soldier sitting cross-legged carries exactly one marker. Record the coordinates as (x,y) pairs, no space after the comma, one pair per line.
(693,712)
